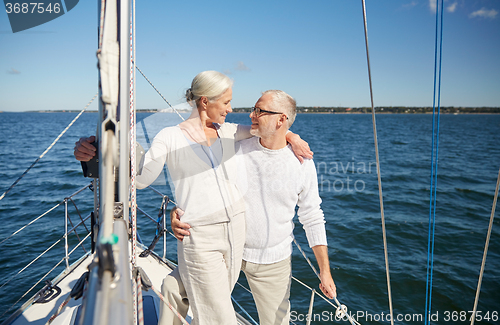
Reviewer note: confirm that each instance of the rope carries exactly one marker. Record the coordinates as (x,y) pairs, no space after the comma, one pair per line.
(486,244)
(133,202)
(47,150)
(166,101)
(183,321)
(76,292)
(140,307)
(59,310)
(384,236)
(134,302)
(434,160)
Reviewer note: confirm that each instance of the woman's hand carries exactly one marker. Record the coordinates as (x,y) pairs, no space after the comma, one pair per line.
(300,147)
(179,228)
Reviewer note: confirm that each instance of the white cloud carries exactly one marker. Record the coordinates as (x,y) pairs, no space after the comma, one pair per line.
(432,5)
(410,5)
(241,67)
(13,71)
(484,13)
(452,7)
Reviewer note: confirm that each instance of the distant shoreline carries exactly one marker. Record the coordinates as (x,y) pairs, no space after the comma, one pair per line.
(327,110)
(319,113)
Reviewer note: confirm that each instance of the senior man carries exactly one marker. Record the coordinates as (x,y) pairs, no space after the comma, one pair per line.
(274,182)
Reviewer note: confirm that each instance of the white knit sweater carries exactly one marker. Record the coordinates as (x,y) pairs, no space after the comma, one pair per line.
(274,185)
(207,195)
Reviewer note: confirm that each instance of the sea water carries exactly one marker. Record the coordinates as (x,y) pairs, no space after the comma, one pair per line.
(343,145)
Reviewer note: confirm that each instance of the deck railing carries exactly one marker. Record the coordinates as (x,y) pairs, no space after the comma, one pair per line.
(65,237)
(161,224)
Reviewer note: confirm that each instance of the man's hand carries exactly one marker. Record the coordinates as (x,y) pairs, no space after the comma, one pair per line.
(300,147)
(327,285)
(179,228)
(84,151)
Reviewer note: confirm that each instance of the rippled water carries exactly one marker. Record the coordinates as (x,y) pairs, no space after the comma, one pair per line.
(469,158)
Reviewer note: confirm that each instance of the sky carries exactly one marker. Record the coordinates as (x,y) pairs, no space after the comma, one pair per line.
(313,50)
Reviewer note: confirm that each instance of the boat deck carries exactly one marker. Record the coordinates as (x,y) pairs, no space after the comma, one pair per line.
(40,313)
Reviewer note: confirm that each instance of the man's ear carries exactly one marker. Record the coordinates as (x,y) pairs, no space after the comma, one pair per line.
(282,120)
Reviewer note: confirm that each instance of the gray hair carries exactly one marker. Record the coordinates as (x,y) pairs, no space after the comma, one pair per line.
(210,84)
(282,102)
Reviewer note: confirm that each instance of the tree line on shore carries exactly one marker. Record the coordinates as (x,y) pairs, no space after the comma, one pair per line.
(349,110)
(390,109)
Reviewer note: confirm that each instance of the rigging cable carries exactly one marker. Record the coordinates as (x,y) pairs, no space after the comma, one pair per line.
(40,216)
(166,101)
(49,147)
(434,157)
(340,308)
(486,244)
(378,168)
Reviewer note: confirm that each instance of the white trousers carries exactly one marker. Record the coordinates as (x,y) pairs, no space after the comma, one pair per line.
(270,286)
(209,265)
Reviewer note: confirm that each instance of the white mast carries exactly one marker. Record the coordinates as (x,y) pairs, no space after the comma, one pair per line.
(109,296)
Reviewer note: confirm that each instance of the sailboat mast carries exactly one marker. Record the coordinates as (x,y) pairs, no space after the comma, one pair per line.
(109,296)
(124,105)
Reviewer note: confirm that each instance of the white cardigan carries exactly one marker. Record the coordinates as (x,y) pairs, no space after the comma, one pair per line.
(206,195)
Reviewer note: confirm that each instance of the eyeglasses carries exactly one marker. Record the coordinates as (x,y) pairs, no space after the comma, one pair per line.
(258,111)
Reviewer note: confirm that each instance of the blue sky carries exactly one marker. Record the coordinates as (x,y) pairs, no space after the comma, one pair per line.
(313,50)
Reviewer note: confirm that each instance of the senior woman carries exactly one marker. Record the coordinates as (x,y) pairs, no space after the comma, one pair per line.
(201,160)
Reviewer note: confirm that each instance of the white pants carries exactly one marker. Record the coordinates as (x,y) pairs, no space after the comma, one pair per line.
(209,265)
(270,286)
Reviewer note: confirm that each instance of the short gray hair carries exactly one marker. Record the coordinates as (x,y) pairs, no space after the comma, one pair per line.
(210,84)
(282,102)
